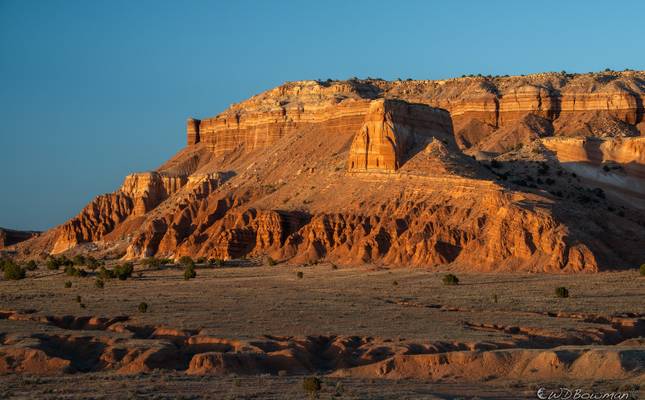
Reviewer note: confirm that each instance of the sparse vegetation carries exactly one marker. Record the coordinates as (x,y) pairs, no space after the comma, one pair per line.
(642,269)
(52,263)
(395,283)
(73,271)
(450,280)
(143,307)
(122,272)
(78,298)
(271,262)
(105,273)
(312,385)
(78,259)
(68,284)
(92,263)
(562,292)
(218,262)
(13,271)
(31,265)
(186,260)
(99,284)
(300,274)
(152,262)
(189,272)
(201,260)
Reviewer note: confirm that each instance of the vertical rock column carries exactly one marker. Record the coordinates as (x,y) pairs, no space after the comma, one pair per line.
(192,131)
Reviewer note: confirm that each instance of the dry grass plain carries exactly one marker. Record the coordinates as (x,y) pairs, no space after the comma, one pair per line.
(395,307)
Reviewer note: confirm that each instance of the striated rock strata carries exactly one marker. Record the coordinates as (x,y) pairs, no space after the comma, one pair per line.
(391,130)
(276,175)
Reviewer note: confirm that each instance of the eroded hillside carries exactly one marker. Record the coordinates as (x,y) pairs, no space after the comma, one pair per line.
(535,173)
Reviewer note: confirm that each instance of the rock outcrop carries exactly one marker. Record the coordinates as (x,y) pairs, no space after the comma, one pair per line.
(192,131)
(10,237)
(612,349)
(277,175)
(603,104)
(391,130)
(140,193)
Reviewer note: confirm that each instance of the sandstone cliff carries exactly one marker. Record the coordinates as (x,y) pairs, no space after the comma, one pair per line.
(391,130)
(369,171)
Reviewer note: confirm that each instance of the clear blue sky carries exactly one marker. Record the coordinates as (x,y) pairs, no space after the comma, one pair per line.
(93,90)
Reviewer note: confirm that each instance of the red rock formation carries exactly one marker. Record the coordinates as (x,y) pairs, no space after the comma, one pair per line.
(268,176)
(391,130)
(192,131)
(140,193)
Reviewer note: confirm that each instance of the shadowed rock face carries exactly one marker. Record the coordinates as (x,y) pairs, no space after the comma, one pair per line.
(9,237)
(276,175)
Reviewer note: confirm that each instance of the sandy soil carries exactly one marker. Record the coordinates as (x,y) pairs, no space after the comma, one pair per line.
(391,309)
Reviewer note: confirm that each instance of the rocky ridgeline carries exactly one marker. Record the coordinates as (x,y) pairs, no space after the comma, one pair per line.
(370,171)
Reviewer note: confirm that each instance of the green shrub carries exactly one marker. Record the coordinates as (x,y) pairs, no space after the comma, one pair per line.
(300,274)
(166,261)
(52,263)
(124,271)
(105,273)
(64,261)
(68,284)
(31,265)
(271,262)
(201,260)
(78,259)
(312,385)
(186,260)
(91,263)
(99,283)
(450,279)
(189,272)
(218,262)
(13,271)
(143,307)
(642,270)
(77,272)
(562,292)
(152,262)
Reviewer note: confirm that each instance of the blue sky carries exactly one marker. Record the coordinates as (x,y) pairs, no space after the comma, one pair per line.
(93,90)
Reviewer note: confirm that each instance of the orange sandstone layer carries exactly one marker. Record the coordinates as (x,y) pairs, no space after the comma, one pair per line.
(277,175)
